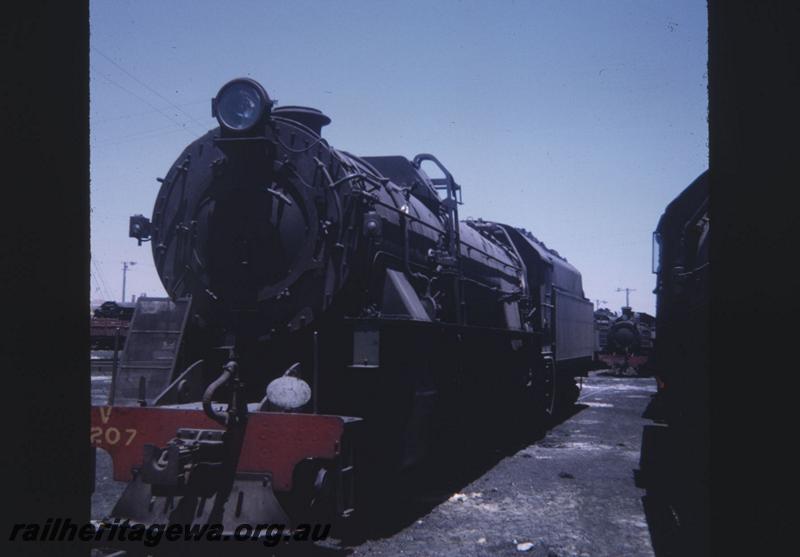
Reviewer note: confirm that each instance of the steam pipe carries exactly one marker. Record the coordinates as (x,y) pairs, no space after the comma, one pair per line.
(220,417)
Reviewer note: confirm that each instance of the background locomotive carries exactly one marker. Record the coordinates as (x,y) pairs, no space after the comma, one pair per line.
(631,333)
(630,340)
(319,303)
(674,454)
(104,323)
(624,341)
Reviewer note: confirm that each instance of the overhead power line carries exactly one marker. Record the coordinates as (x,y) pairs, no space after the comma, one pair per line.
(99,279)
(136,136)
(138,114)
(181,125)
(146,86)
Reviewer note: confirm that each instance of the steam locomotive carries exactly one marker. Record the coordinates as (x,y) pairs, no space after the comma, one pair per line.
(330,319)
(674,464)
(109,325)
(631,333)
(624,341)
(629,341)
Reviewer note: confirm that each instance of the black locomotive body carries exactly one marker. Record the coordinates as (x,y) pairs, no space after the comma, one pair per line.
(350,280)
(631,333)
(624,342)
(113,310)
(674,458)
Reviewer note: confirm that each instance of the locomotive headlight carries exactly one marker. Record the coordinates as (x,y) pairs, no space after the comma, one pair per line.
(240,105)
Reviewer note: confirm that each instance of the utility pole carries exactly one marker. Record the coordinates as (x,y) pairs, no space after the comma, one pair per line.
(125,265)
(627,295)
(598,302)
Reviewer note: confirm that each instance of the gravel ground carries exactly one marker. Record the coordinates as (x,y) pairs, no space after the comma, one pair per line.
(571,493)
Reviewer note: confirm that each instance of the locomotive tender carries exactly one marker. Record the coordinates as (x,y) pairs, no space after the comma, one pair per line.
(328,314)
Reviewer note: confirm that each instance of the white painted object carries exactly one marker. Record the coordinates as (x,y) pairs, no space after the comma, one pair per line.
(288,393)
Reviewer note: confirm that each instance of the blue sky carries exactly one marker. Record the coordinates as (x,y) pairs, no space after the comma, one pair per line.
(576,120)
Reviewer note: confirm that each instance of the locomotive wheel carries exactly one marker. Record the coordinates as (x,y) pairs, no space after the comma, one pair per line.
(312,496)
(568,392)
